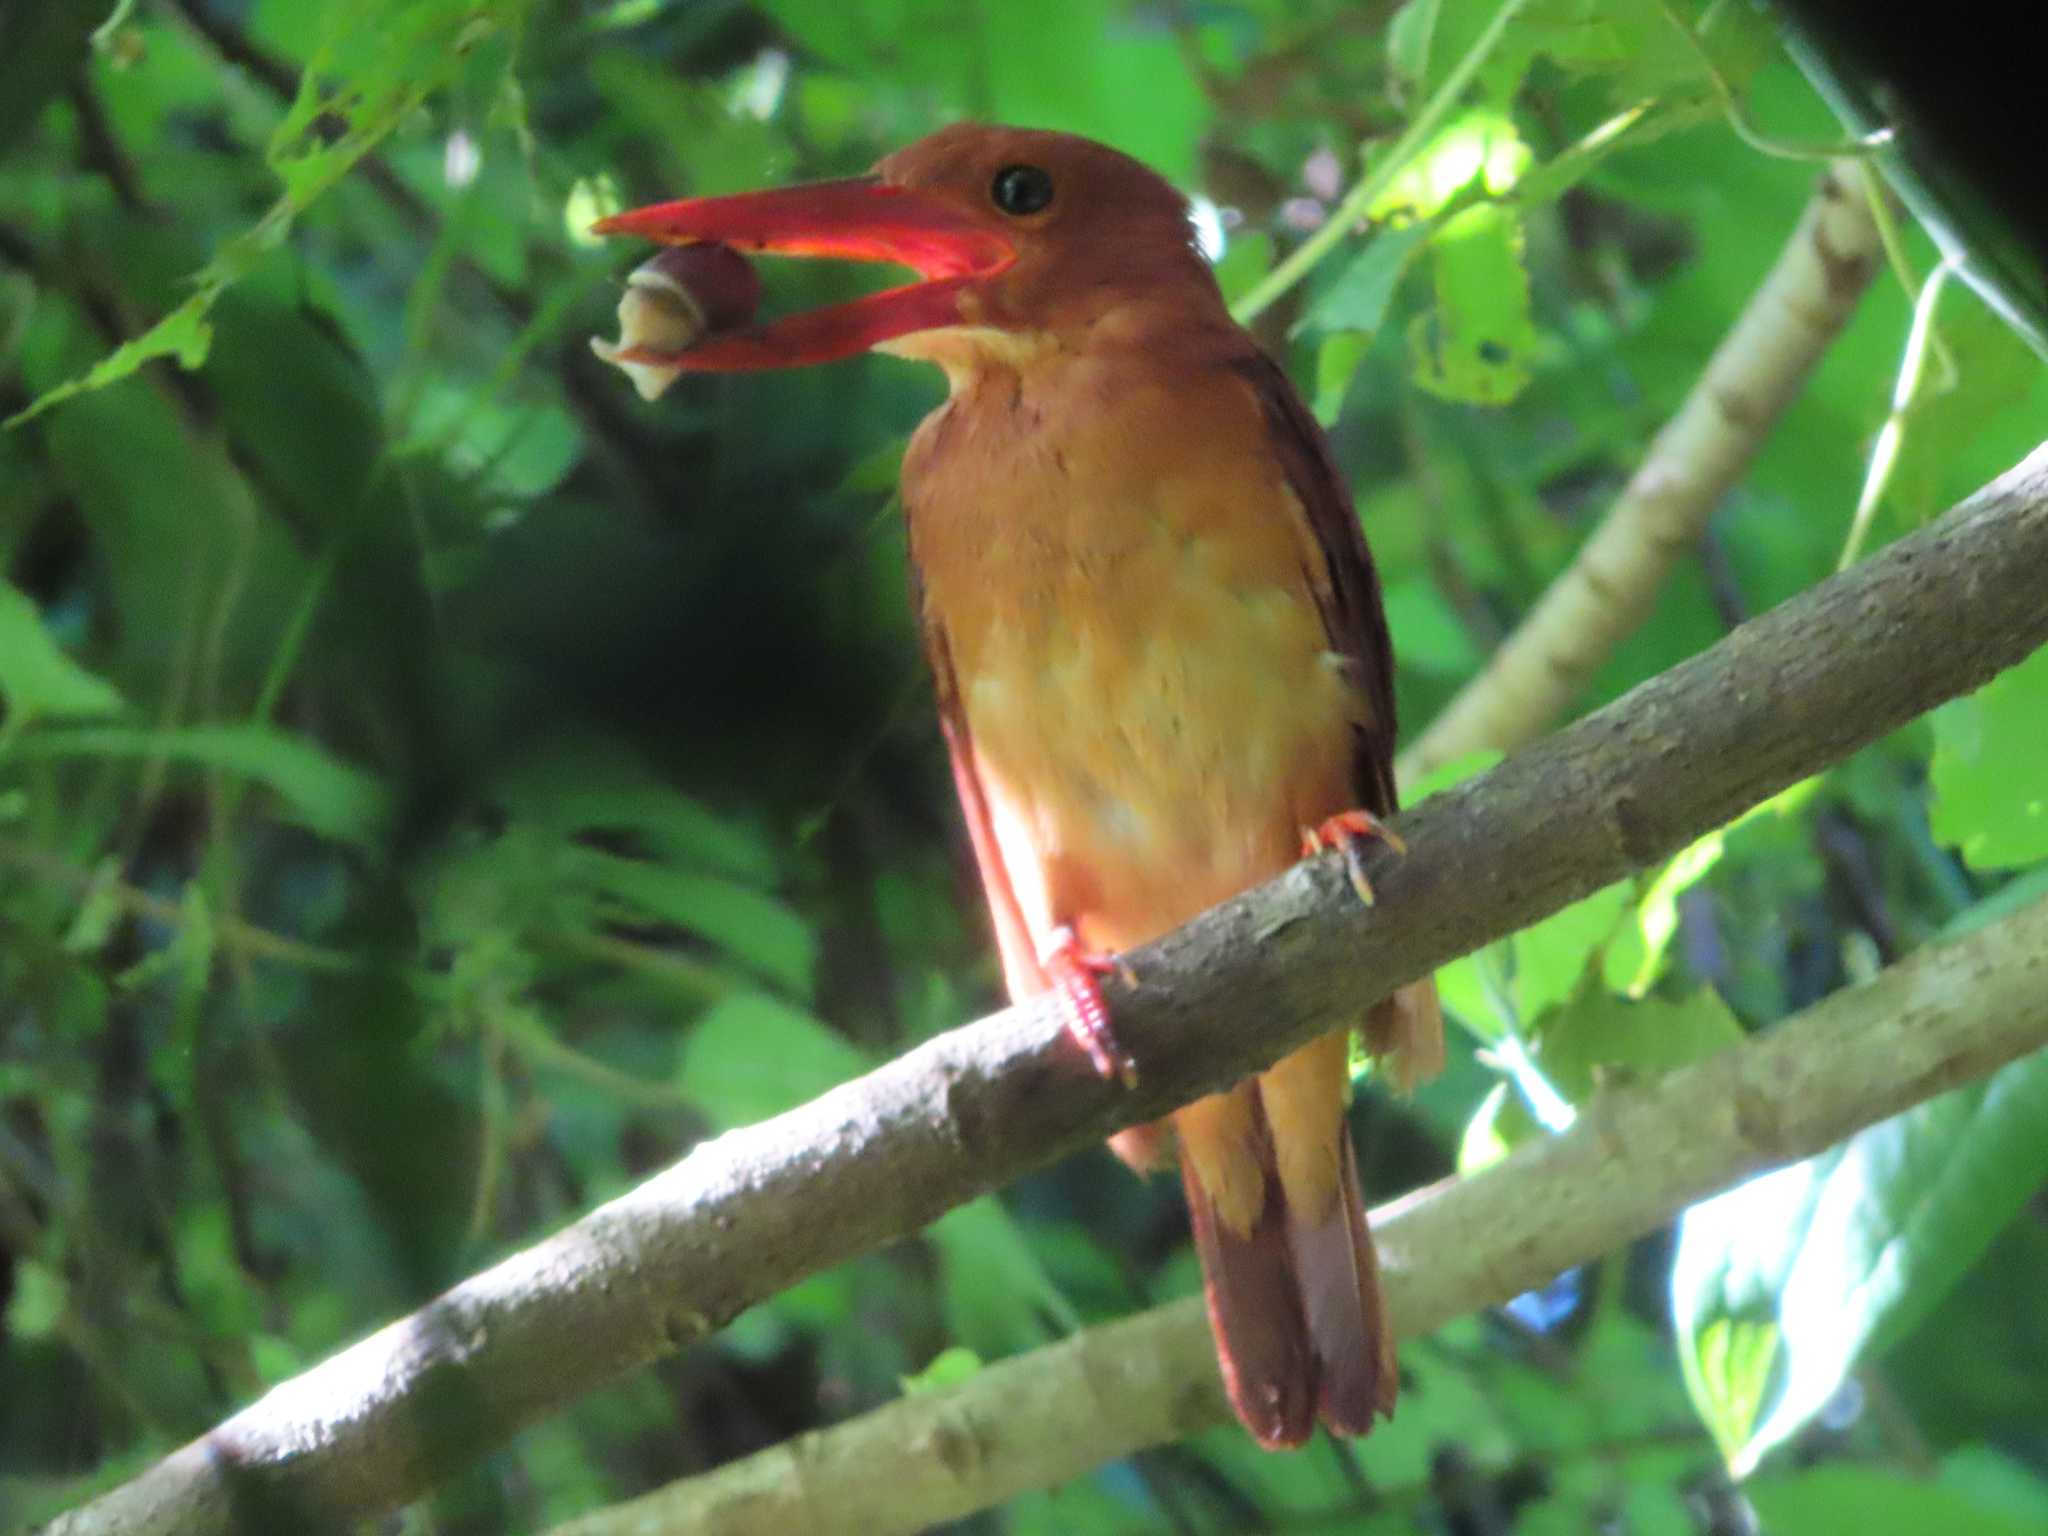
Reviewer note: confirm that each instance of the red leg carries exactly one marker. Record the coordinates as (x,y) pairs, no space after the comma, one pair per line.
(1347,831)
(1072,971)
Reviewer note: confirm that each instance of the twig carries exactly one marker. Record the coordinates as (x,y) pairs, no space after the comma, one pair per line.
(1385,169)
(1884,453)
(1610,588)
(233,932)
(751,1212)
(1738,115)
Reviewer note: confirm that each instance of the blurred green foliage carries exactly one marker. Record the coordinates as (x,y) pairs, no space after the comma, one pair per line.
(436,788)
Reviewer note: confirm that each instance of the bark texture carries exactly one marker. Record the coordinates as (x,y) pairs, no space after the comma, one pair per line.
(1632,1161)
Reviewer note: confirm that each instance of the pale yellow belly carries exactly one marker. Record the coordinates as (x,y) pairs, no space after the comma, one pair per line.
(1140,772)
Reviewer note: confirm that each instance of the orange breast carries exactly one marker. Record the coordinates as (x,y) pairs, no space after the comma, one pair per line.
(1123,579)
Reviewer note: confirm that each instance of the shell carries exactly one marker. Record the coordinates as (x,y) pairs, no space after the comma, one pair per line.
(672,302)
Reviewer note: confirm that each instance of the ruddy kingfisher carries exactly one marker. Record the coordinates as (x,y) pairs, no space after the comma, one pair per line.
(1162,665)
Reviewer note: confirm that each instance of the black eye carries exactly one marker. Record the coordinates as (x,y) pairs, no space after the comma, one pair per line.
(1021,189)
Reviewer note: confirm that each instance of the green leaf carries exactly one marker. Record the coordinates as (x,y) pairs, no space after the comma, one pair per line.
(1990,782)
(378,63)
(1357,300)
(1411,40)
(753,927)
(1995,372)
(1873,1501)
(948,1368)
(995,1291)
(1728,1370)
(183,333)
(1431,635)
(1247,258)
(99,909)
(1084,65)
(751,1056)
(592,782)
(1477,344)
(1599,1034)
(1550,957)
(38,680)
(1997,1481)
(1456,771)
(1841,1254)
(1478,154)
(1500,1124)
(326,794)
(1657,911)
(1338,360)
(1579,36)
(1085,1507)
(37,1305)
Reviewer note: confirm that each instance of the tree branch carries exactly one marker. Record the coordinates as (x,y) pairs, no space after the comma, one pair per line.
(1607,592)
(1634,1159)
(752,1211)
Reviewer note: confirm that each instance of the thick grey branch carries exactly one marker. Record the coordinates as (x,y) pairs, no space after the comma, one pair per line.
(1633,1160)
(1608,590)
(747,1214)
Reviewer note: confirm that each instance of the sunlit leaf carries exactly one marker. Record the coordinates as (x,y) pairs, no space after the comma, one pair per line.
(378,63)
(1551,956)
(1990,780)
(37,679)
(1477,344)
(1501,1123)
(183,333)
(948,1368)
(1657,911)
(1598,1035)
(1840,1254)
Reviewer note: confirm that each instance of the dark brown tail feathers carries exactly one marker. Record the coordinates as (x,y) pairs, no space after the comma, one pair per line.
(1355,1371)
(1296,1310)
(1255,1313)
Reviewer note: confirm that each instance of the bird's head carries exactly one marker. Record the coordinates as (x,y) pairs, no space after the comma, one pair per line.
(1015,234)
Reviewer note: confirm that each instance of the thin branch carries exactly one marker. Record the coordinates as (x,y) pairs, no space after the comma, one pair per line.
(751,1212)
(1737,113)
(1385,169)
(1634,1159)
(1609,590)
(233,932)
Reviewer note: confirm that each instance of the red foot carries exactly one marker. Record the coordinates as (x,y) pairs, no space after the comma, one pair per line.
(1347,831)
(1072,971)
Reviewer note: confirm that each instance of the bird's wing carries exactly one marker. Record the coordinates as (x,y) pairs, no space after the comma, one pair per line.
(1347,589)
(1021,969)
(1406,1028)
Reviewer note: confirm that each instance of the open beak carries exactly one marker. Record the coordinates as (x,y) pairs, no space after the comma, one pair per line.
(861,219)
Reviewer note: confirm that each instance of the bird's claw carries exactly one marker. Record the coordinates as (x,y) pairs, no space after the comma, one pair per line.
(1073,972)
(1348,832)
